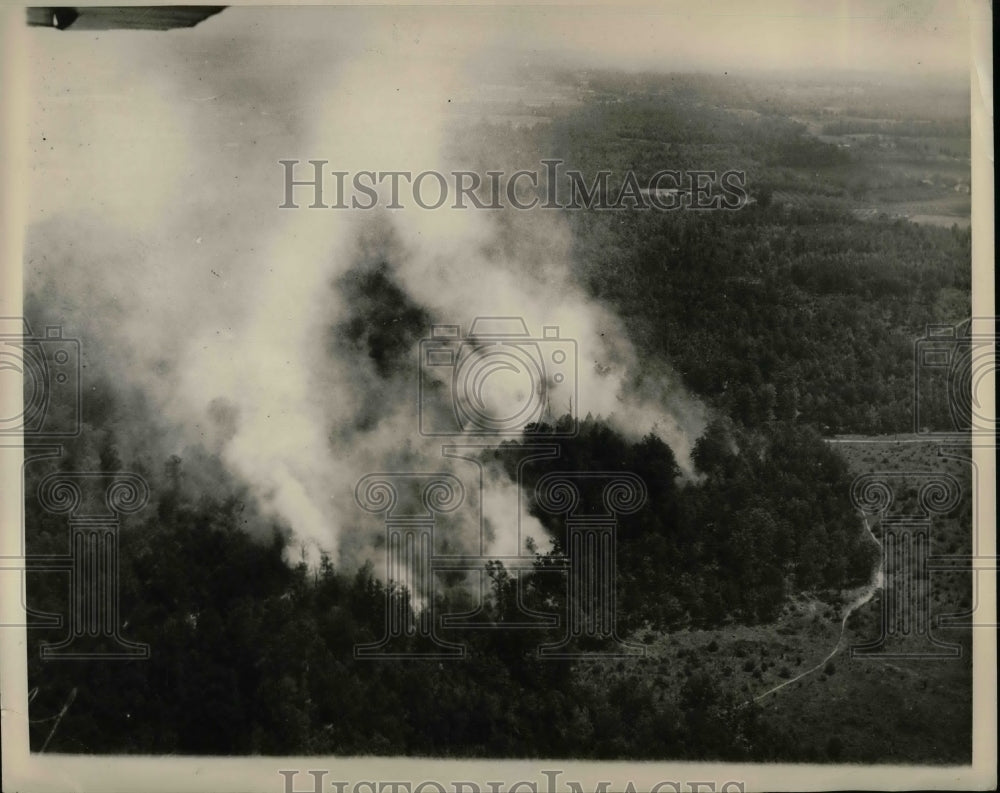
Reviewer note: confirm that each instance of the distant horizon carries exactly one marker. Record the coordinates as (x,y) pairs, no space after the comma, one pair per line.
(839,37)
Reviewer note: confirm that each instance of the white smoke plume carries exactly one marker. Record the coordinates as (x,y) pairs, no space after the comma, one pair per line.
(157,235)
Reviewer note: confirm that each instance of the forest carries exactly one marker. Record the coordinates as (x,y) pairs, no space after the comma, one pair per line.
(791,322)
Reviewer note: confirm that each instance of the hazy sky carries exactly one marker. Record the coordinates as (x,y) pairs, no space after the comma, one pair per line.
(274,61)
(892,35)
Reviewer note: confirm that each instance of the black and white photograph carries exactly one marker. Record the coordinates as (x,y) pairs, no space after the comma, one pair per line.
(491,398)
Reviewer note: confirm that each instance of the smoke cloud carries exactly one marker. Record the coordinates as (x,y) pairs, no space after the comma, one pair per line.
(286,343)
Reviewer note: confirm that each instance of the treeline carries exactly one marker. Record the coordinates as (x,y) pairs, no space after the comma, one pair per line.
(888,98)
(251,655)
(956,128)
(769,516)
(648,132)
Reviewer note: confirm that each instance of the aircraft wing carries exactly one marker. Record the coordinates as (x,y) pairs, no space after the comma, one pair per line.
(120,17)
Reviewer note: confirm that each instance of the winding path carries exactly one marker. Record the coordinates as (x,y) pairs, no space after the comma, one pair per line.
(866,594)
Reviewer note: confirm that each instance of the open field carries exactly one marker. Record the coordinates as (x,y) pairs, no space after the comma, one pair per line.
(848,709)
